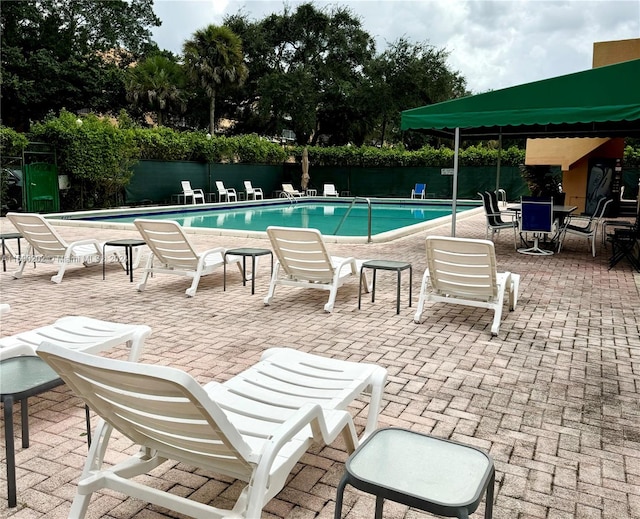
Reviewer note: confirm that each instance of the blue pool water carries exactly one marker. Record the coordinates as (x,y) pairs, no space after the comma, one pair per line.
(330,218)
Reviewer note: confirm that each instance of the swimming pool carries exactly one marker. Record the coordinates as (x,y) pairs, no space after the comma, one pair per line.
(390,218)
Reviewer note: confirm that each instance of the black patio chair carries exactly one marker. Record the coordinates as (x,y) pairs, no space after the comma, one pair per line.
(495,223)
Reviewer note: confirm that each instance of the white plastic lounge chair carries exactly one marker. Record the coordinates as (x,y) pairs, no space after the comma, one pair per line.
(254,193)
(46,244)
(304,261)
(77,333)
(419,191)
(174,254)
(189,193)
(228,194)
(254,428)
(329,190)
(463,271)
(288,191)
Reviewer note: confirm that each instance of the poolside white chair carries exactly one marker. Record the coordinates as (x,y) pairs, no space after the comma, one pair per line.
(419,191)
(77,333)
(462,271)
(254,427)
(329,190)
(304,261)
(173,253)
(289,191)
(46,245)
(254,193)
(193,194)
(228,194)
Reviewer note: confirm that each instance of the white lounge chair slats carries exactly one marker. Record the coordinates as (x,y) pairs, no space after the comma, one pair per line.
(463,271)
(305,262)
(173,253)
(45,243)
(77,333)
(218,427)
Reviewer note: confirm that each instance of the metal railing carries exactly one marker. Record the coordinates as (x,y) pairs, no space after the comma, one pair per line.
(346,214)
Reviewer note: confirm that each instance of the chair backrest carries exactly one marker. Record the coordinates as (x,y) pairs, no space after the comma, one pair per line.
(155,406)
(462,267)
(493,202)
(39,233)
(186,188)
(288,188)
(168,242)
(329,189)
(420,189)
(493,215)
(302,253)
(248,187)
(536,214)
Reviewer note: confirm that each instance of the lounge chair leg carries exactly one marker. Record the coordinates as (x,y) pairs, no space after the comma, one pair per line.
(63,266)
(272,285)
(191,291)
(18,273)
(423,290)
(143,284)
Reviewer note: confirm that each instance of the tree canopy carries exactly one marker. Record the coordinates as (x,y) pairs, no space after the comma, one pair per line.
(62,53)
(313,70)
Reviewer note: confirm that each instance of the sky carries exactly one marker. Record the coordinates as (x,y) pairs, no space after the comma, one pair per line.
(494,44)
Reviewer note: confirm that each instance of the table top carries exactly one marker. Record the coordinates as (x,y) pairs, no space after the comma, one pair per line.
(427,469)
(26,373)
(127,242)
(387,264)
(556,208)
(10,235)
(248,251)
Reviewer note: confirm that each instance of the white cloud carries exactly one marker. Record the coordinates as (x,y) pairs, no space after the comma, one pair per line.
(492,43)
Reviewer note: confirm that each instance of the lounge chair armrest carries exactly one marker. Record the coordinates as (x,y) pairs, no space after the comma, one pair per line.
(215,250)
(309,415)
(89,241)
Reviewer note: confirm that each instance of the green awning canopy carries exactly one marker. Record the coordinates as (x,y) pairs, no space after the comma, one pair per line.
(603,102)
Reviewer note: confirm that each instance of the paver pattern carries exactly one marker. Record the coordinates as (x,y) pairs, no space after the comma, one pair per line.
(555,398)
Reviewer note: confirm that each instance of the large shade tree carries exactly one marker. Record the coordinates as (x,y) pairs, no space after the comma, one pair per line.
(306,70)
(408,75)
(69,53)
(214,58)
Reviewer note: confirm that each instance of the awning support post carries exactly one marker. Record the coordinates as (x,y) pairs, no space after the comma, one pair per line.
(454,194)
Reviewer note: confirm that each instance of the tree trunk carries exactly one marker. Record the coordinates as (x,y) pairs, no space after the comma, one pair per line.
(212,115)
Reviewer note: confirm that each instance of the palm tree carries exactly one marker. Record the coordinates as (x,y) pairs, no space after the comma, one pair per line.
(158,84)
(214,57)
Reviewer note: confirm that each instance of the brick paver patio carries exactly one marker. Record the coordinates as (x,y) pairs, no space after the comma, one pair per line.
(555,399)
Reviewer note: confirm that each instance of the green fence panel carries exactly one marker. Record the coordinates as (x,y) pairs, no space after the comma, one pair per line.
(155,181)
(266,177)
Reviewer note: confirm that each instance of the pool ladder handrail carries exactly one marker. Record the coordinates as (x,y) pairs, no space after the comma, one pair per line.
(292,199)
(346,214)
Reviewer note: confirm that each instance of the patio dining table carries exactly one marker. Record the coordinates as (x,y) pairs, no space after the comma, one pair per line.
(560,213)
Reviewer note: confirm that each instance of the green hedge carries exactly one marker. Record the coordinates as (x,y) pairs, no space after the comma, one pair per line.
(98,154)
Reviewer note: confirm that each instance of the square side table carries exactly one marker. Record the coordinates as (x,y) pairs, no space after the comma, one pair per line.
(20,378)
(431,474)
(244,252)
(376,265)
